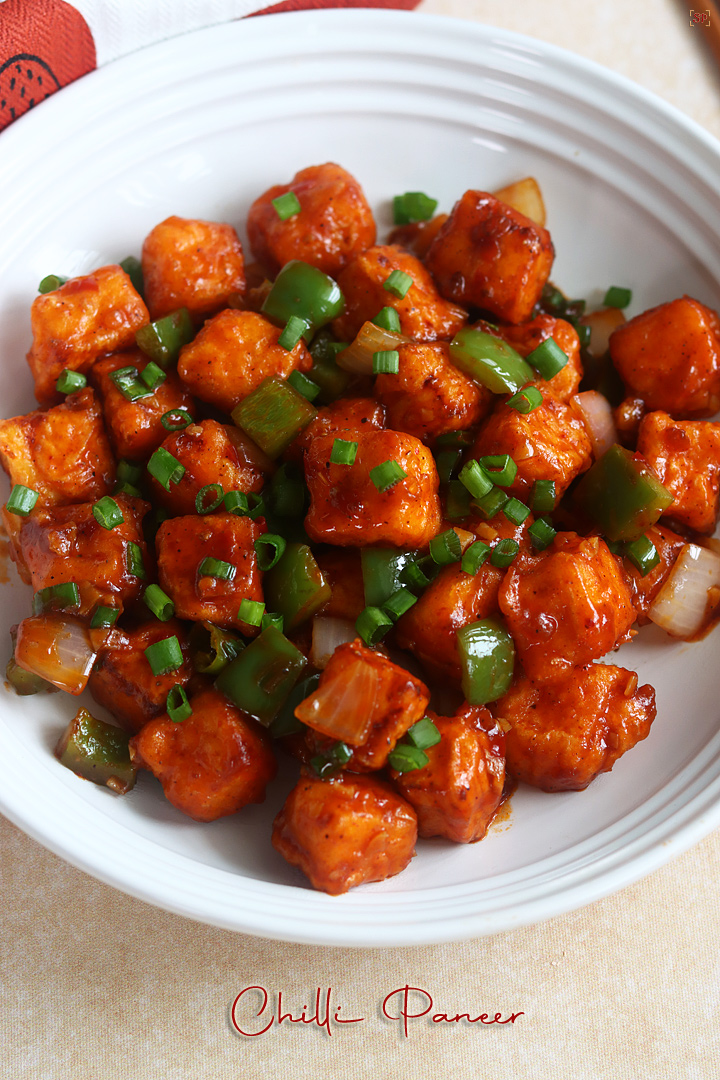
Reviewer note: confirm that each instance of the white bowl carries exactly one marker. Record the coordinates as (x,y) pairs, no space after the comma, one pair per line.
(199,126)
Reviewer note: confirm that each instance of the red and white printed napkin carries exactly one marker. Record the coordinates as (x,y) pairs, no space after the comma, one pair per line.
(46,44)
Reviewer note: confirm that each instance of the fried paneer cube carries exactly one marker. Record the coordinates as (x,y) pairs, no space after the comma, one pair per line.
(345,831)
(566,607)
(212,764)
(489,255)
(342,418)
(563,733)
(529,336)
(233,353)
(424,315)
(430,396)
(75,324)
(183,543)
(135,427)
(457,793)
(210,453)
(123,681)
(187,263)
(334,222)
(670,357)
(645,587)
(365,701)
(685,454)
(549,443)
(346,506)
(67,543)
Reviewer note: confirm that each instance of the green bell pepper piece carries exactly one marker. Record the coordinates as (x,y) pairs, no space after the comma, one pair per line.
(97,751)
(212,648)
(260,679)
(304,291)
(286,722)
(273,415)
(382,571)
(490,361)
(163,339)
(487,655)
(622,495)
(295,587)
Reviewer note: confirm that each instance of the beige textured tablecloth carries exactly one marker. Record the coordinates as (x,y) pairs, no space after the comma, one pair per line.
(98,986)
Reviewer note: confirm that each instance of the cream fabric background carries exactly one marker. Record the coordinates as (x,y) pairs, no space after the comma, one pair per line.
(98,986)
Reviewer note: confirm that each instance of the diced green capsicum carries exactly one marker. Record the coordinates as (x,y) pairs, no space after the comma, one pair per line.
(163,339)
(260,679)
(304,291)
(382,571)
(487,655)
(273,414)
(490,361)
(295,587)
(286,722)
(622,495)
(212,648)
(97,751)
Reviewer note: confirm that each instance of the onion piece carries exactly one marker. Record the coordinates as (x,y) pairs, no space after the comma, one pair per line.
(525,196)
(358,357)
(598,418)
(687,601)
(602,323)
(327,633)
(57,648)
(343,705)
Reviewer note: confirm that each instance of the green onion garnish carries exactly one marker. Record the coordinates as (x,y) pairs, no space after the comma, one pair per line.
(216,568)
(407,758)
(445,548)
(22,500)
(456,440)
(400,602)
(474,557)
(128,472)
(165,468)
(135,563)
(209,498)
(159,603)
(446,462)
(269,549)
(103,617)
(542,499)
(525,400)
(69,381)
(584,333)
(51,283)
(294,329)
(343,452)
(642,553)
(287,205)
(176,419)
(541,534)
(423,734)
(516,511)
(61,597)
(617,297)
(303,385)
(387,474)
(107,513)
(152,375)
(386,362)
(177,705)
(269,619)
(372,624)
(504,552)
(413,206)
(236,502)
(491,504)
(398,283)
(129,383)
(164,656)
(387,319)
(414,575)
(548,358)
(473,477)
(501,469)
(123,488)
(251,612)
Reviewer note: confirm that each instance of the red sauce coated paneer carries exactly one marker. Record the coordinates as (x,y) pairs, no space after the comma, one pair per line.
(685,454)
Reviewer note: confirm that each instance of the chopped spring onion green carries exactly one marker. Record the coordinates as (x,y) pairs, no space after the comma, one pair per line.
(62,597)
(491,504)
(445,548)
(407,758)
(303,385)
(516,511)
(387,319)
(617,297)
(542,499)
(209,498)
(287,205)
(400,602)
(423,734)
(251,612)
(372,625)
(501,469)
(165,468)
(242,505)
(177,705)
(135,562)
(128,472)
(548,359)
(107,513)
(387,474)
(474,557)
(153,375)
(642,553)
(51,283)
(398,283)
(456,440)
(504,552)
(413,206)
(123,488)
(414,573)
(104,617)
(176,419)
(294,329)
(164,656)
(163,339)
(216,568)
(270,619)
(69,381)
(128,382)
(386,362)
(473,477)
(541,534)
(159,603)
(269,549)
(22,500)
(446,461)
(343,452)
(526,400)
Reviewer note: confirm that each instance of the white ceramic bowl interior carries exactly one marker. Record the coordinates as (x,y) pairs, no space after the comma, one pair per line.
(201,125)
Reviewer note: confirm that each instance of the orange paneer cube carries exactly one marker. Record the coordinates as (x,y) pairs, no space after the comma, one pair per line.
(685,454)
(564,733)
(341,418)
(68,543)
(548,443)
(191,264)
(123,681)
(135,427)
(645,587)
(213,763)
(489,255)
(566,607)
(210,453)
(184,543)
(429,396)
(333,224)
(529,336)
(233,353)
(75,324)
(670,357)
(345,831)
(424,315)
(457,793)
(351,504)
